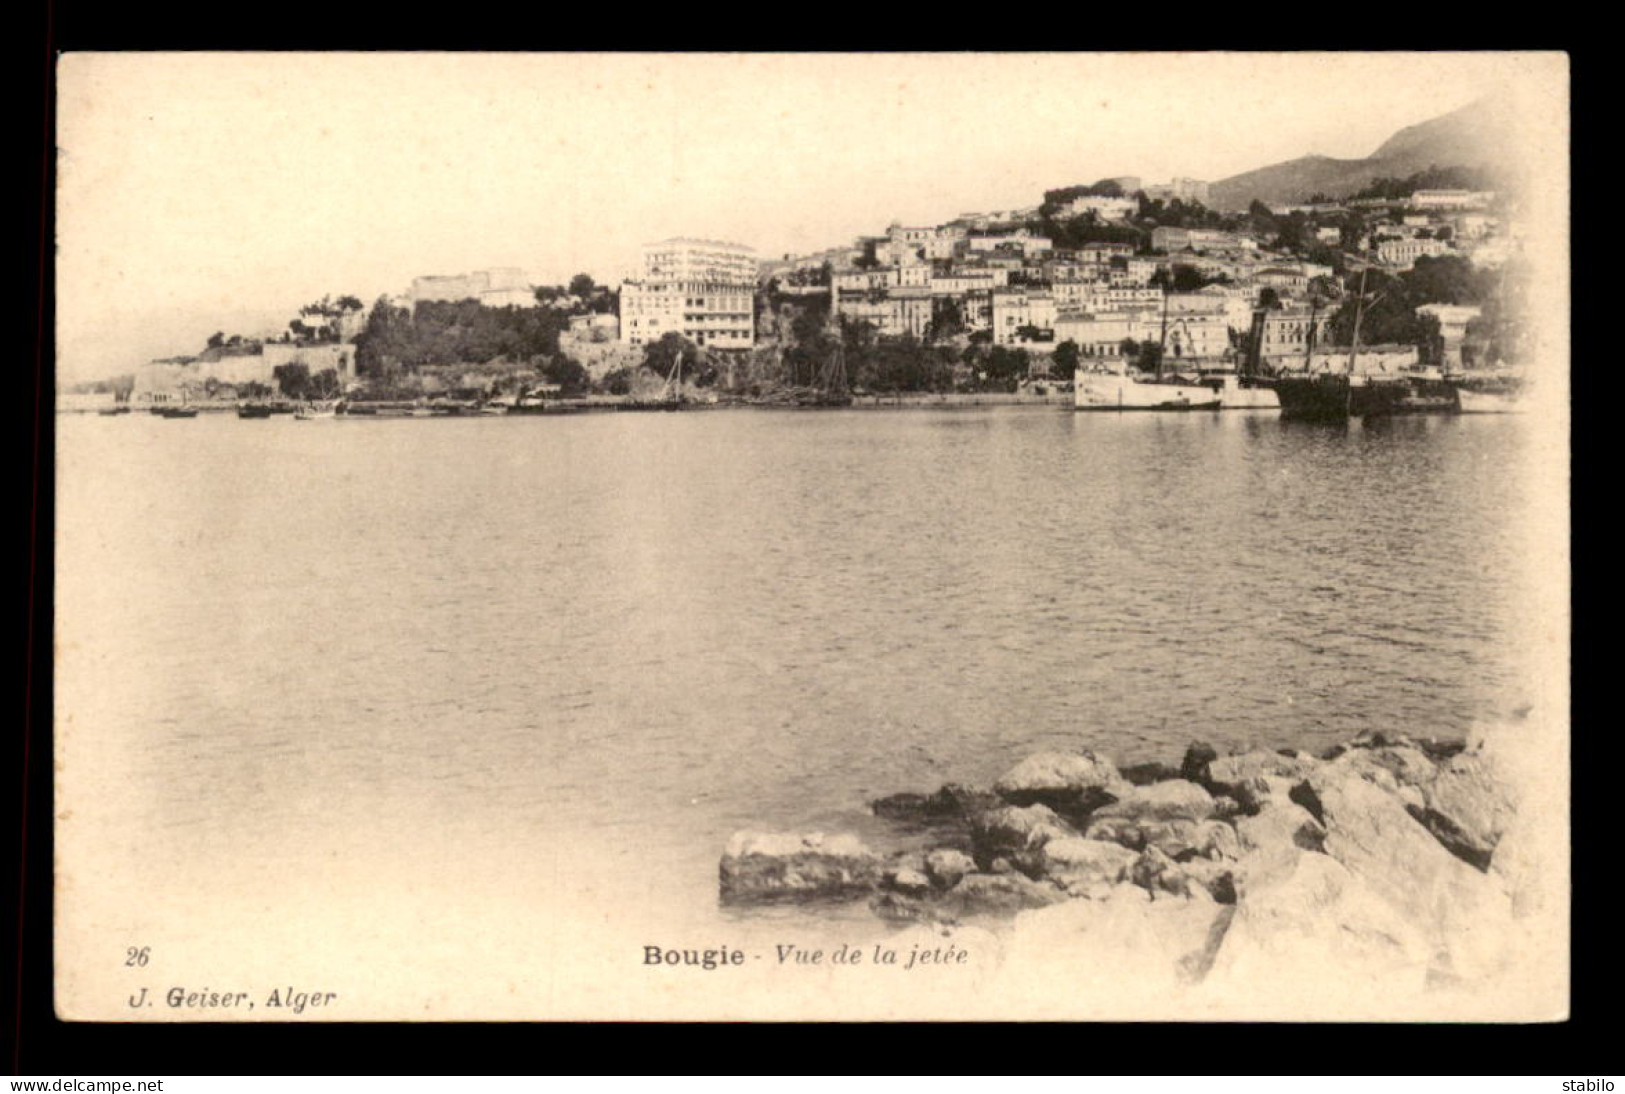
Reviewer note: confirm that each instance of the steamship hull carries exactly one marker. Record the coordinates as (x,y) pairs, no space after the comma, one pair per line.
(1338,396)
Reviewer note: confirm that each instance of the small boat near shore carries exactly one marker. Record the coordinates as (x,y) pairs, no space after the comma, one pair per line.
(253,410)
(177,412)
(1489,402)
(1489,391)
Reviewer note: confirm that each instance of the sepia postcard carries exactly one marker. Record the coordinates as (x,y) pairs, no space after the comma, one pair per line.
(760,537)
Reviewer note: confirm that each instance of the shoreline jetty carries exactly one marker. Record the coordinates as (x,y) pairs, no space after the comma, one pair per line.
(1403,859)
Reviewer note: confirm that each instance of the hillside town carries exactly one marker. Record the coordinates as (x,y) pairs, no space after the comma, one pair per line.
(1109,275)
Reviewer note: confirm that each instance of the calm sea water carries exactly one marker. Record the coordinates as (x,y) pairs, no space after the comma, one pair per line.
(454,646)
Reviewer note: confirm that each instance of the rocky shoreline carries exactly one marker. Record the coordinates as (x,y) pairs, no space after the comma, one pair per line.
(1389,855)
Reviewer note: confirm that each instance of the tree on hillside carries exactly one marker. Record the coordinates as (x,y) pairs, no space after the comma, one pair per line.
(660,355)
(1324,289)
(859,343)
(1387,315)
(325,385)
(293,379)
(1433,178)
(566,372)
(386,341)
(1006,367)
(947,319)
(1446,279)
(582,285)
(1189,279)
(1064,362)
(217,339)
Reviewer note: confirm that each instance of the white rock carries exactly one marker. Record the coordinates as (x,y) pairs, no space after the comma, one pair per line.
(1173,799)
(1465,914)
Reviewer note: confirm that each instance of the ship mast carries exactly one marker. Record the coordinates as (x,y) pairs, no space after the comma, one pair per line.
(1309,335)
(1359,313)
(1162,345)
(674,378)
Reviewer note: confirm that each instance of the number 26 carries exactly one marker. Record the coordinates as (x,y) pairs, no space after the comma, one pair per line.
(137,958)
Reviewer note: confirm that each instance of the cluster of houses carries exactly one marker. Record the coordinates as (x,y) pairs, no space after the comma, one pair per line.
(1398,231)
(990,274)
(980,273)
(1018,289)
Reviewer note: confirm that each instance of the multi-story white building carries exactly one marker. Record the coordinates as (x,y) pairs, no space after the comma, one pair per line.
(877,279)
(1121,296)
(495,288)
(894,315)
(1195,239)
(1188,339)
(969,281)
(1197,338)
(1452,199)
(1024,241)
(701,289)
(1186,190)
(1403,253)
(1101,254)
(914,275)
(1017,309)
(1285,280)
(1073,295)
(1105,208)
(1287,334)
(1100,335)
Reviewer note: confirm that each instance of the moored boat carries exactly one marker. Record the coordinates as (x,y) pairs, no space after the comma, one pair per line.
(1244,392)
(1338,396)
(317,412)
(253,410)
(1331,396)
(1489,391)
(1119,391)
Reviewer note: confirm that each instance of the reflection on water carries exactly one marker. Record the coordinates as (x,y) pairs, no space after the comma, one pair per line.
(465,641)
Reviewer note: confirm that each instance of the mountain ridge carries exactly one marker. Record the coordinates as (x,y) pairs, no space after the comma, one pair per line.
(1474,135)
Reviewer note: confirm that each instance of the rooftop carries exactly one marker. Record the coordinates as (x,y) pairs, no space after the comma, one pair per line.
(693,242)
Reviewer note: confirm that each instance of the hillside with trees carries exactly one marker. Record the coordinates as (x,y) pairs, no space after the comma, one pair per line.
(1391,300)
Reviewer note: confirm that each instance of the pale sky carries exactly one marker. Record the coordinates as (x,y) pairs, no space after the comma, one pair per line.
(203,192)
